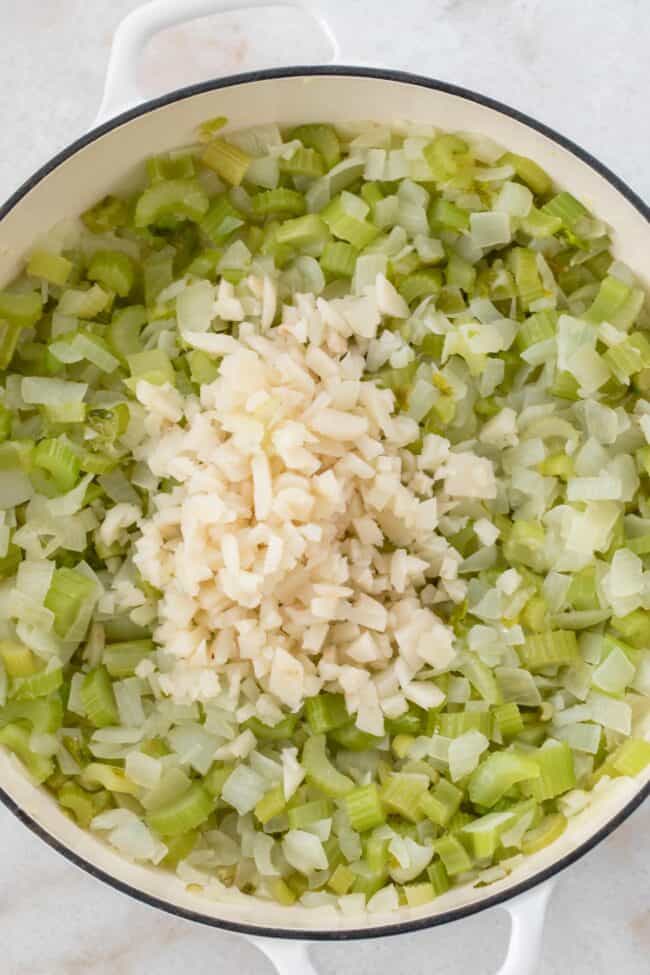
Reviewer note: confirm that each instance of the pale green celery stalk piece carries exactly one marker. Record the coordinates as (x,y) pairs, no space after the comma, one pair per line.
(320,770)
(498,773)
(183,814)
(229,161)
(401,794)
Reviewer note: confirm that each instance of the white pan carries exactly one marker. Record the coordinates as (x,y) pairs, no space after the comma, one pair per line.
(103,159)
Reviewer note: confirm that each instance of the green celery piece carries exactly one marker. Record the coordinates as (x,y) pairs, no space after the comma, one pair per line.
(282,731)
(114,270)
(341,880)
(555,648)
(41,684)
(271,804)
(442,802)
(303,162)
(444,155)
(123,333)
(325,712)
(180,199)
(344,226)
(339,258)
(280,202)
(71,796)
(454,725)
(630,758)
(22,309)
(121,659)
(482,678)
(110,777)
(567,208)
(368,881)
(557,774)
(453,854)
(633,628)
(549,830)
(99,699)
(301,231)
(228,161)
(538,224)
(497,773)
(508,720)
(50,267)
(611,296)
(68,592)
(85,303)
(309,813)
(352,739)
(179,166)
(483,835)
(45,714)
(420,284)
(16,737)
(158,271)
(438,877)
(107,215)
(528,171)
(536,328)
(322,138)
(460,274)
(364,808)
(409,723)
(443,213)
(153,365)
(183,814)
(222,219)
(179,847)
(18,660)
(320,771)
(401,794)
(56,457)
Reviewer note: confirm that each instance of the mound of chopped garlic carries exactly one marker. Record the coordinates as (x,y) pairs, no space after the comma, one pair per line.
(299,545)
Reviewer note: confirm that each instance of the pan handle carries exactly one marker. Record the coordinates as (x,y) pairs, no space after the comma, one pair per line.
(527,913)
(121,89)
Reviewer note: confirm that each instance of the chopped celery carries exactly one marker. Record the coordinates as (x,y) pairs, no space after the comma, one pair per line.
(121,659)
(99,699)
(364,808)
(270,805)
(55,457)
(557,775)
(112,269)
(183,814)
(69,593)
(16,737)
(401,794)
(497,774)
(442,802)
(326,712)
(309,813)
(320,770)
(177,199)
(438,877)
(228,160)
(556,648)
(322,138)
(453,855)
(549,830)
(53,268)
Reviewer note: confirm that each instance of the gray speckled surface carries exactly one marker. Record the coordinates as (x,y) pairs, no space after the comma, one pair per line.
(581,68)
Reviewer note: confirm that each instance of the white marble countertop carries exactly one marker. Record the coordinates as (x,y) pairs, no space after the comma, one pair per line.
(581,68)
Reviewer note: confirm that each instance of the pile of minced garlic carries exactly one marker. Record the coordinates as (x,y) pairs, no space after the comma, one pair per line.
(299,544)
